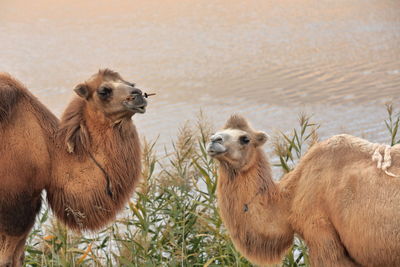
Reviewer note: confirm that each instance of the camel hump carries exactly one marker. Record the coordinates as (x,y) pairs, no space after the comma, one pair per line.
(11,92)
(380,154)
(351,142)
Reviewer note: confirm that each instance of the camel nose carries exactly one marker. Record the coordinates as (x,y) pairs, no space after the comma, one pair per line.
(135,94)
(216,138)
(216,147)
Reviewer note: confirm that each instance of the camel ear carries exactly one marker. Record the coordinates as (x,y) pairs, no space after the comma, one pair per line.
(261,138)
(82,90)
(237,122)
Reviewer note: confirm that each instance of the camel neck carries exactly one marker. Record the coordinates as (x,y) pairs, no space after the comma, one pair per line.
(104,161)
(255,180)
(254,211)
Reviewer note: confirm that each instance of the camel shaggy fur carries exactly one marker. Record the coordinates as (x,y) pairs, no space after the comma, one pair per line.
(343,199)
(88,163)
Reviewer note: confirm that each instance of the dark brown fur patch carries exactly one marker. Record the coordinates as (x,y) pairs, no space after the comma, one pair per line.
(18,216)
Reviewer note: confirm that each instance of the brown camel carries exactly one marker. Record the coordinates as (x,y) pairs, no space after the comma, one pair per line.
(88,163)
(342,199)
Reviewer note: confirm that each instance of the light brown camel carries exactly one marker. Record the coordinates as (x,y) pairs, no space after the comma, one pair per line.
(342,199)
(88,163)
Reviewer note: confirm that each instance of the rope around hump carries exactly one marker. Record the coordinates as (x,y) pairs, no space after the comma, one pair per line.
(385,161)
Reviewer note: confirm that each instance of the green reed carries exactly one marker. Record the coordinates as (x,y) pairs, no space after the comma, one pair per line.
(392,124)
(173,219)
(289,148)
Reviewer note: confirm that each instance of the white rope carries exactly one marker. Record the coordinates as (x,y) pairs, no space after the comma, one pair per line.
(384,162)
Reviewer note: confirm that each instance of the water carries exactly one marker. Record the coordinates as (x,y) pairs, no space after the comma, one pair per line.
(268,60)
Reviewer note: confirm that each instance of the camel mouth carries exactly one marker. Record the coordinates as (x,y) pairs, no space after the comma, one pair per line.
(213,153)
(136,105)
(136,108)
(141,109)
(215,149)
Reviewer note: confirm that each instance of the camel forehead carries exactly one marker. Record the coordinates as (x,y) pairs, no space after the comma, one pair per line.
(232,133)
(96,80)
(116,84)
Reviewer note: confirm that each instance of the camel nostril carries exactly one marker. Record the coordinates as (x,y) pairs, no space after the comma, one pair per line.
(216,139)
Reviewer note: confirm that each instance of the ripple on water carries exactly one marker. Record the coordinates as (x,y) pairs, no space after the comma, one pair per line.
(269,60)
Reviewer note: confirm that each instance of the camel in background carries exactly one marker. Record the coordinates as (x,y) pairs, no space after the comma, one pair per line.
(338,199)
(88,163)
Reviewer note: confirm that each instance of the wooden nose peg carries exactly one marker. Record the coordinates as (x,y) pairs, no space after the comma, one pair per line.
(146,95)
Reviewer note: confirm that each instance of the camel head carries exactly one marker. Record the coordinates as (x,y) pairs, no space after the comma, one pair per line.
(108,92)
(236,144)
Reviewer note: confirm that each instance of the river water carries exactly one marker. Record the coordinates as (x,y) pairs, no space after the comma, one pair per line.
(268,60)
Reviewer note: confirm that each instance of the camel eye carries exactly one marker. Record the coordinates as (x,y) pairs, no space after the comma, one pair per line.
(104,92)
(244,140)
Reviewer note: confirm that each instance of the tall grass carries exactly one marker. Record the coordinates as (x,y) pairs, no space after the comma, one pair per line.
(173,219)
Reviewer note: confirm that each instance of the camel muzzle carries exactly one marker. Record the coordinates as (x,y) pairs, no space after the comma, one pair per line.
(215,148)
